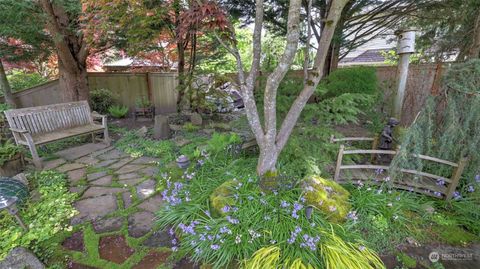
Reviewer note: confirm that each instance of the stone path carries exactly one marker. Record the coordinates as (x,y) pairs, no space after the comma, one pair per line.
(118,198)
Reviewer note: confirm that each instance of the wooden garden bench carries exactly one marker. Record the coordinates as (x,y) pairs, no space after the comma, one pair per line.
(44,124)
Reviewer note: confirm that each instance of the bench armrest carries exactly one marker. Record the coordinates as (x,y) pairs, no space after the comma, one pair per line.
(95,115)
(17,130)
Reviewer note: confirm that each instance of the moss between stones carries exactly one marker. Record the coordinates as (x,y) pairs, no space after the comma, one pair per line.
(454,235)
(222,196)
(328,197)
(406,260)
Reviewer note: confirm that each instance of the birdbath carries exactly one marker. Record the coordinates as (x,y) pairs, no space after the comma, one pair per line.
(10,205)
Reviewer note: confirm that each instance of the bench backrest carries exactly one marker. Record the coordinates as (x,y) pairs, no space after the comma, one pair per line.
(47,119)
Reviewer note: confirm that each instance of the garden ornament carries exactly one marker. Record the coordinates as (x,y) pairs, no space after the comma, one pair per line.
(386,138)
(308,212)
(183,162)
(10,205)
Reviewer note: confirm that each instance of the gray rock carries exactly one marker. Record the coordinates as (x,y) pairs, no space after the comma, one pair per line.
(128,176)
(103,181)
(146,160)
(129,168)
(140,223)
(146,189)
(20,257)
(96,175)
(77,189)
(88,160)
(161,129)
(80,151)
(152,204)
(149,171)
(120,163)
(142,132)
(108,225)
(112,154)
(196,119)
(180,141)
(105,163)
(127,199)
(94,208)
(99,191)
(53,164)
(158,239)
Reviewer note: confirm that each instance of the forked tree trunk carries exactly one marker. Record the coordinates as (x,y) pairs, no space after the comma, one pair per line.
(5,87)
(72,50)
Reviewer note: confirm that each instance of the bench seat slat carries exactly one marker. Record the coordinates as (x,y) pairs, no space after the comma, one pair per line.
(49,137)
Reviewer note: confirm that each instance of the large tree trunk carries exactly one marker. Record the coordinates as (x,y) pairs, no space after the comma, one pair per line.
(74,84)
(5,87)
(72,50)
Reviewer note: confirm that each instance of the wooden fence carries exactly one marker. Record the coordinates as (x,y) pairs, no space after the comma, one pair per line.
(160,88)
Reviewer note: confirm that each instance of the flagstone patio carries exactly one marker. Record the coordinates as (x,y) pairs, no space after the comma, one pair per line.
(117,201)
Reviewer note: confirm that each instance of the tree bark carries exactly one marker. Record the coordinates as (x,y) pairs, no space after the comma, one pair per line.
(72,51)
(475,47)
(5,87)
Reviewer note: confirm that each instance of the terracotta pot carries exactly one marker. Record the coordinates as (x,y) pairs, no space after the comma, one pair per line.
(12,167)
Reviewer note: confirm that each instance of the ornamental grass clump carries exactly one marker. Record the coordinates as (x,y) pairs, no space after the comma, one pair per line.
(221,217)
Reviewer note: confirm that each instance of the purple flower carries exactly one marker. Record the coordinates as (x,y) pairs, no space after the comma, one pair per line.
(361,248)
(471,188)
(302,199)
(215,247)
(198,251)
(456,195)
(189,229)
(310,242)
(225,230)
(174,249)
(477,178)
(378,171)
(232,220)
(201,162)
(440,182)
(352,215)
(226,209)
(297,207)
(210,237)
(438,194)
(284,204)
(332,208)
(295,215)
(171,232)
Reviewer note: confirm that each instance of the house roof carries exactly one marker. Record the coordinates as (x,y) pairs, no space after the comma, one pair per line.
(371,56)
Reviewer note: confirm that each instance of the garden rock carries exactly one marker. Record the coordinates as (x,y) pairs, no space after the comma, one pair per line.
(146,189)
(127,199)
(21,258)
(140,223)
(103,181)
(161,129)
(130,182)
(114,248)
(53,164)
(97,175)
(22,178)
(75,175)
(94,208)
(74,242)
(152,260)
(69,167)
(142,132)
(129,168)
(152,204)
(328,196)
(196,119)
(222,196)
(99,191)
(80,151)
(158,239)
(108,225)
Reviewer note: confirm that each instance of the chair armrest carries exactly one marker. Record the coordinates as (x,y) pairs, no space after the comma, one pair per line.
(17,130)
(95,115)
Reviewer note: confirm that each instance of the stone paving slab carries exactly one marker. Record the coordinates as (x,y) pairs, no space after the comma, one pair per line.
(88,160)
(94,208)
(130,182)
(128,176)
(158,239)
(129,168)
(153,259)
(127,199)
(77,189)
(80,151)
(149,171)
(105,163)
(152,204)
(114,248)
(145,160)
(140,223)
(100,191)
(76,175)
(96,175)
(146,188)
(100,152)
(120,163)
(108,225)
(112,154)
(103,181)
(69,167)
(53,164)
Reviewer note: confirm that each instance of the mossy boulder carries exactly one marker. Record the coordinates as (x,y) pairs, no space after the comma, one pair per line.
(327,196)
(222,196)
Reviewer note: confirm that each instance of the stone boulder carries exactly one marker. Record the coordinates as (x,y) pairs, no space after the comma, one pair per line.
(328,196)
(196,119)
(223,196)
(20,257)
(161,129)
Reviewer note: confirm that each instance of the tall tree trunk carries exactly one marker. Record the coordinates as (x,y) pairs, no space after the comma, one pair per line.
(74,84)
(5,87)
(474,51)
(181,56)
(72,51)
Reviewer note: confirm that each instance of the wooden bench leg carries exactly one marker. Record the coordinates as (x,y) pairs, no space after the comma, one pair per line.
(106,138)
(31,146)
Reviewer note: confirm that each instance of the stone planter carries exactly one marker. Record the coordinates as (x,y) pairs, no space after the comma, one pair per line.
(13,166)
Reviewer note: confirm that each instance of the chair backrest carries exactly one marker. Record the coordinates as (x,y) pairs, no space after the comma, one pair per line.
(46,119)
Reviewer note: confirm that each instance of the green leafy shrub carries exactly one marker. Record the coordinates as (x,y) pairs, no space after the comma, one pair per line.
(220,142)
(118,111)
(45,218)
(189,127)
(102,99)
(8,150)
(20,80)
(361,80)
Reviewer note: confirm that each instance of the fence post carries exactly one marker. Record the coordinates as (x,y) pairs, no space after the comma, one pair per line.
(457,173)
(339,162)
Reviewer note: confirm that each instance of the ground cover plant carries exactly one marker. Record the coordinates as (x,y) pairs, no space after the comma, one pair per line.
(46,217)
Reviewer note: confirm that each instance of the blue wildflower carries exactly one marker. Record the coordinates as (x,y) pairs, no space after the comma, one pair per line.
(471,188)
(215,247)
